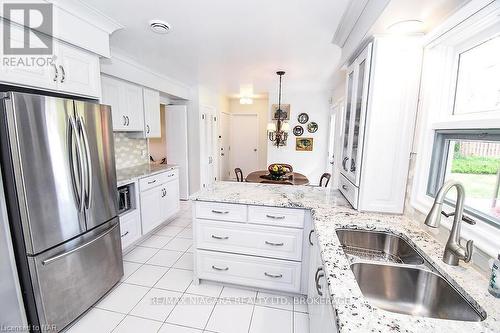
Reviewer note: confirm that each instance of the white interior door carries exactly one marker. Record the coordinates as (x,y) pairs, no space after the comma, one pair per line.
(208,146)
(335,143)
(244,143)
(177,144)
(224,137)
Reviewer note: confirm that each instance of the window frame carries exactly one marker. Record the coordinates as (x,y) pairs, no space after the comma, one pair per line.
(439,163)
(436,111)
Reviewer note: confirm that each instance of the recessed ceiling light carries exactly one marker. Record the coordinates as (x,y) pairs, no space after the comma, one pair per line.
(159,26)
(407,27)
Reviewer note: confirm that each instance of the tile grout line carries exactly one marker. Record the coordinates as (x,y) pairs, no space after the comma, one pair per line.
(150,288)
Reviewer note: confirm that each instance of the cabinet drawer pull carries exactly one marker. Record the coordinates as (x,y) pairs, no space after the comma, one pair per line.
(274,276)
(124,121)
(171,175)
(220,212)
(275,217)
(274,244)
(310,234)
(152,182)
(220,269)
(345,187)
(63,74)
(56,72)
(125,234)
(219,237)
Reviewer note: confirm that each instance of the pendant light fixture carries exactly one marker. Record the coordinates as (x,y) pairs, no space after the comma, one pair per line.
(278,132)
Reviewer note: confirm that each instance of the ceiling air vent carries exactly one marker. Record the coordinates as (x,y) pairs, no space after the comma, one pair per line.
(159,26)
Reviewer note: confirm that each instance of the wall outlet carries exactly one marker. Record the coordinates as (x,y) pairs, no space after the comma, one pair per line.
(144,152)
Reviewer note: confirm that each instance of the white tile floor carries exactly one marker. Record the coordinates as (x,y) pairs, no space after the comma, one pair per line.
(156,294)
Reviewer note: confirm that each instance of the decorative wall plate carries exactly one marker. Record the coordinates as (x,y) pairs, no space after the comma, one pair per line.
(298,130)
(303,118)
(312,127)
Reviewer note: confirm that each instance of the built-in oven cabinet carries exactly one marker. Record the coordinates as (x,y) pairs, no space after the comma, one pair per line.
(71,70)
(381,98)
(159,196)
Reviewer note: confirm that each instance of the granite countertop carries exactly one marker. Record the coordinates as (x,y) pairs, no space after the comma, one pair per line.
(130,174)
(330,211)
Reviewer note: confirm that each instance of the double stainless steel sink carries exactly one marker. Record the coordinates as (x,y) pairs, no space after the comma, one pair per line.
(393,276)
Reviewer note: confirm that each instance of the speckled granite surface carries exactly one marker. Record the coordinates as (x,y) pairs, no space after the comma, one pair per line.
(130,174)
(354,313)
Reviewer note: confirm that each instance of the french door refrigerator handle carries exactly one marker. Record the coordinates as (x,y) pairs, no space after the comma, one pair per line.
(78,248)
(89,163)
(74,131)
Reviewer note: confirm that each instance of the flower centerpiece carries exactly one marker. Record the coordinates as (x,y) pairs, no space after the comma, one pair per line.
(277,171)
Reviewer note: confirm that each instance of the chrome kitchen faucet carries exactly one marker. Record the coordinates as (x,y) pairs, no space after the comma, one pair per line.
(453,251)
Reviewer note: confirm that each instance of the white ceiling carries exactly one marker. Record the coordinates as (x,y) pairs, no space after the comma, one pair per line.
(227,43)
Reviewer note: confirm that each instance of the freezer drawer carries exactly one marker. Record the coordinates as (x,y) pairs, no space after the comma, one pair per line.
(72,277)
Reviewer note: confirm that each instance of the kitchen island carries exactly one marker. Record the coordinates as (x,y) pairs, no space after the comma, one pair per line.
(330,212)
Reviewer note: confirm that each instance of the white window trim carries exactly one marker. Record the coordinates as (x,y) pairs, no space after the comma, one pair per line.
(436,108)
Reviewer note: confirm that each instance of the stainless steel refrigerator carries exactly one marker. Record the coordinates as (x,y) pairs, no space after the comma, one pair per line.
(59,174)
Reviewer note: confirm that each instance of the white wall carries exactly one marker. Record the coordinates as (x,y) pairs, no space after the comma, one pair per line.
(316,105)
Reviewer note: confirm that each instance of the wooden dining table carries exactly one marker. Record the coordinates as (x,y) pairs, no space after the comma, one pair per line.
(294,178)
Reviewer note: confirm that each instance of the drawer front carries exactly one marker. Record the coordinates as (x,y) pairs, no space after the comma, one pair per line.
(130,227)
(221,211)
(249,271)
(349,191)
(276,216)
(259,240)
(67,274)
(147,183)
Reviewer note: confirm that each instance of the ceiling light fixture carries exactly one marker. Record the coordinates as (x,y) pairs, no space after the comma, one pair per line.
(406,27)
(246,100)
(278,133)
(160,27)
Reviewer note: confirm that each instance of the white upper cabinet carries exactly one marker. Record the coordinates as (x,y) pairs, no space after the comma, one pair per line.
(358,78)
(152,122)
(78,71)
(74,71)
(126,103)
(381,102)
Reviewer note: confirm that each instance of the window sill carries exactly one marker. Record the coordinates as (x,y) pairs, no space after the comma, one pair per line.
(485,236)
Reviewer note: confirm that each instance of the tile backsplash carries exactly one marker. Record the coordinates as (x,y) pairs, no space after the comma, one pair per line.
(130,152)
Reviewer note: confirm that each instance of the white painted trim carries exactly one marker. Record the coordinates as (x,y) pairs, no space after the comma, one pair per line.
(125,68)
(348,21)
(89,14)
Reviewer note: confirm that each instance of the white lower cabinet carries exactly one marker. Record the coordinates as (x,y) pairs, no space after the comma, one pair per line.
(321,313)
(253,246)
(249,271)
(159,199)
(130,228)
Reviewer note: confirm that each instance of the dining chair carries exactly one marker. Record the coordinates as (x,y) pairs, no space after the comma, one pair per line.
(239,174)
(324,176)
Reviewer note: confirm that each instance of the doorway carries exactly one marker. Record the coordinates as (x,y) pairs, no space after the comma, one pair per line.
(208,146)
(224,143)
(244,142)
